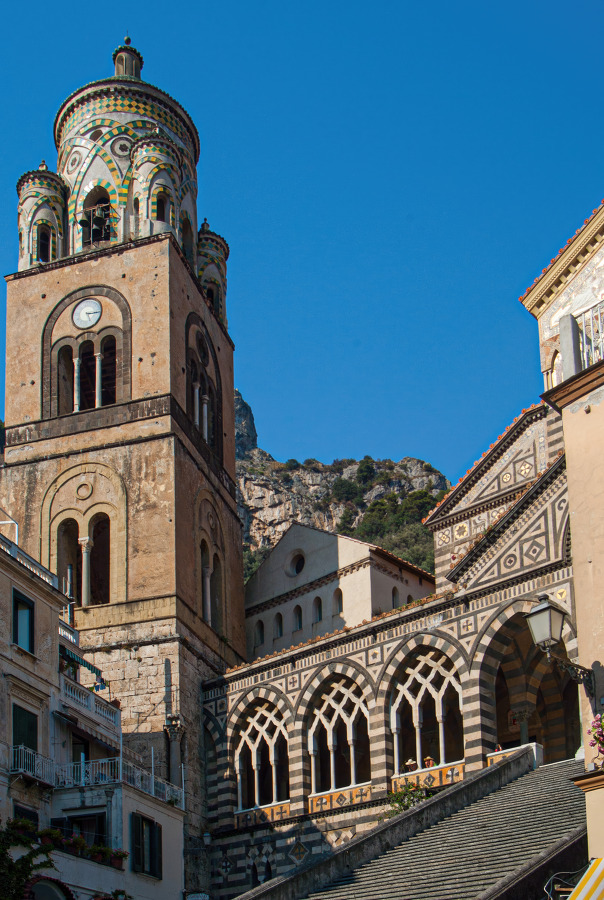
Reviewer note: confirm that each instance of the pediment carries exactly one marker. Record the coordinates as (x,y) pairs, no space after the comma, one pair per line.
(531,535)
(512,463)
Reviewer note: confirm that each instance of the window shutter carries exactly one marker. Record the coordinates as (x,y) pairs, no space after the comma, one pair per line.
(25,728)
(158,851)
(137,842)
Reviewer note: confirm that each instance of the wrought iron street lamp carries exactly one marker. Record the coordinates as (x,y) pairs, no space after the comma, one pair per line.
(545,623)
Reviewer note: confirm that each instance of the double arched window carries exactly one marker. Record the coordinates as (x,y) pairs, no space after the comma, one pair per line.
(84,560)
(204,389)
(95,218)
(261,758)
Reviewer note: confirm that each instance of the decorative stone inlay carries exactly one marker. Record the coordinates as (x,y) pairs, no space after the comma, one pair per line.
(437,776)
(84,490)
(340,798)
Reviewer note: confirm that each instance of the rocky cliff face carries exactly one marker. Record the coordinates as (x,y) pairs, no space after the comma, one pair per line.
(272,495)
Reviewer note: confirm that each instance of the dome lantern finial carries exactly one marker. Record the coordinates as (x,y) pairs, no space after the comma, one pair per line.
(128,61)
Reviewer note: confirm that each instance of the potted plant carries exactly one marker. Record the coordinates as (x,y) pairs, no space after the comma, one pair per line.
(115,702)
(22,826)
(50,836)
(597,739)
(75,844)
(98,853)
(118,857)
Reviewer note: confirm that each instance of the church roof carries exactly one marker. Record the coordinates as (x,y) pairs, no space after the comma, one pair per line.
(487,459)
(585,239)
(524,498)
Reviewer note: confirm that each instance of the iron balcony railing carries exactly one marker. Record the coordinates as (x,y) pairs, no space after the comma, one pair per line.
(591,330)
(27,762)
(117,771)
(28,561)
(75,693)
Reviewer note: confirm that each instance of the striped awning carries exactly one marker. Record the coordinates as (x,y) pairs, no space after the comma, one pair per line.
(591,886)
(69,654)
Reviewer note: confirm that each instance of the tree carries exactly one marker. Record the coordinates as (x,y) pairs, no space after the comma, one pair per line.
(16,868)
(366,470)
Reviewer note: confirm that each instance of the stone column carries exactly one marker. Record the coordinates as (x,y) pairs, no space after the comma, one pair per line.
(417,724)
(204,417)
(396,748)
(313,766)
(99,381)
(239,786)
(86,545)
(76,384)
(206,595)
(353,762)
(273,762)
(332,761)
(196,403)
(522,715)
(175,731)
(441,738)
(256,768)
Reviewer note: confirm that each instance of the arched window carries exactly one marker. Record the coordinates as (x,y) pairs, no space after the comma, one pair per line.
(203,388)
(261,758)
(187,240)
(47,890)
(409,598)
(425,711)
(338,738)
(108,371)
(278,626)
(317,610)
(95,220)
(43,243)
(100,554)
(136,217)
(162,207)
(395,598)
(69,559)
(337,603)
(259,634)
(206,608)
(65,381)
(87,376)
(297,618)
(96,134)
(216,594)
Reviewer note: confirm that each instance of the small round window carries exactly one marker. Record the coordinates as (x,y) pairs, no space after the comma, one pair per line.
(296,563)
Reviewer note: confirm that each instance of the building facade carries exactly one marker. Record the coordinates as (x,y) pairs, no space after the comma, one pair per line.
(120,454)
(63,765)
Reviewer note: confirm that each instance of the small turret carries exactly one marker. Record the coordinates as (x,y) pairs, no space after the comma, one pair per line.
(128,61)
(41,217)
(212,255)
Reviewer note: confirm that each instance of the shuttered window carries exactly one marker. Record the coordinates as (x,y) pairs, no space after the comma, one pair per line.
(23,622)
(146,849)
(25,728)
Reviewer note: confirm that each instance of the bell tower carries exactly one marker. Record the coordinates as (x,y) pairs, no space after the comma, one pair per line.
(120,437)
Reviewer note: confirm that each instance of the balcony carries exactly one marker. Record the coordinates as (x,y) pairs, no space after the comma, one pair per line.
(68,633)
(98,709)
(591,331)
(31,765)
(115,770)
(28,561)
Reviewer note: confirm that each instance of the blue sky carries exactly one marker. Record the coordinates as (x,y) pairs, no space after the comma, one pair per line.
(390,178)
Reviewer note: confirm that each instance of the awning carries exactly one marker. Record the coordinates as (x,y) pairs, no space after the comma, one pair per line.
(66,653)
(591,885)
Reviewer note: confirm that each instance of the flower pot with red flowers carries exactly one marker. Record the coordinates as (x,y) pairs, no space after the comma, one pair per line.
(118,857)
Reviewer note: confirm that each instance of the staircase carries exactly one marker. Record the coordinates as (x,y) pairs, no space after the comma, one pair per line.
(478,849)
(499,834)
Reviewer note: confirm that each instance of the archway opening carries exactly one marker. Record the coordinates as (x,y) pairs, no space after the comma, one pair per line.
(100,565)
(108,370)
(216,594)
(87,376)
(43,243)
(65,381)
(246,776)
(69,558)
(96,218)
(187,240)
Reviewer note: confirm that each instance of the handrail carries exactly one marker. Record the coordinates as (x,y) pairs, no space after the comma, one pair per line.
(116,770)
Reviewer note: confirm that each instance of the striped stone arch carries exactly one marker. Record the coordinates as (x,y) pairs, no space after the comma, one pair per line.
(93,152)
(170,170)
(53,238)
(352,670)
(480,718)
(216,728)
(159,188)
(55,205)
(268,693)
(185,215)
(113,199)
(491,642)
(445,643)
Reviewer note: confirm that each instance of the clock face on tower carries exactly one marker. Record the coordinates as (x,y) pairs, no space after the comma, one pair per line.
(87,313)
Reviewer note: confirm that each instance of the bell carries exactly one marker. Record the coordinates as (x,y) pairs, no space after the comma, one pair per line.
(84,221)
(98,220)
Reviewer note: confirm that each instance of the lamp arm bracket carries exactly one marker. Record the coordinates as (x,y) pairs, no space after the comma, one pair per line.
(578,673)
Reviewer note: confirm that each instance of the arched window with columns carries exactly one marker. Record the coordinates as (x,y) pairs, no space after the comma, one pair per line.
(338,737)
(261,757)
(204,386)
(425,710)
(86,352)
(212,586)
